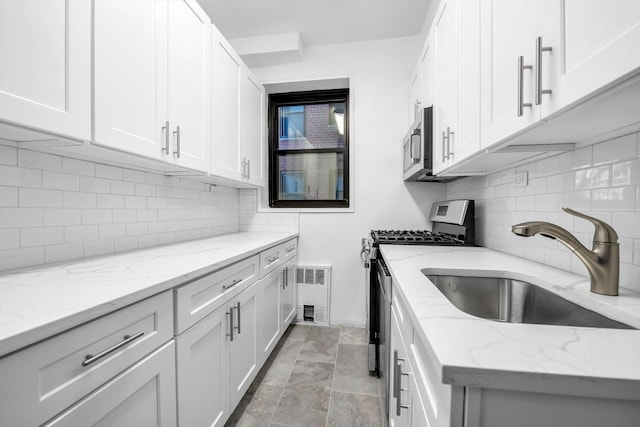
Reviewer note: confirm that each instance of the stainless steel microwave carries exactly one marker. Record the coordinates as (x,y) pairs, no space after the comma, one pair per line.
(418,150)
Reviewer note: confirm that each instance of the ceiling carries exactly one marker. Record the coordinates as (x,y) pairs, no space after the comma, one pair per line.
(319,22)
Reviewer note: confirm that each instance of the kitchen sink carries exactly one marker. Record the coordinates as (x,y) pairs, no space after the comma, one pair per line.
(515,301)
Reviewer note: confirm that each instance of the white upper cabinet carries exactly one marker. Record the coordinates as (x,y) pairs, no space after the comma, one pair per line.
(45,66)
(252,129)
(596,43)
(508,33)
(225,115)
(151,80)
(189,91)
(238,123)
(415,91)
(130,75)
(457,107)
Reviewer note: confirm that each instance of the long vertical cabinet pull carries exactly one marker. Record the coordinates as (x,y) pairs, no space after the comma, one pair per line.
(449,152)
(444,146)
(521,68)
(244,168)
(238,310)
(398,372)
(284,278)
(248,168)
(177,134)
(166,131)
(539,90)
(230,314)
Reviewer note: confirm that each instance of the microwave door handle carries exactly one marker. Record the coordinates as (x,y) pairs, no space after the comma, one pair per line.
(415,148)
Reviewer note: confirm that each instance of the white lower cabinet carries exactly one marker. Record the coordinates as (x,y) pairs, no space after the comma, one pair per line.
(288,294)
(143,396)
(203,380)
(270,322)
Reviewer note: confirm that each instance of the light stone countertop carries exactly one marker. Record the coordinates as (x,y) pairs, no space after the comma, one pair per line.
(38,302)
(477,352)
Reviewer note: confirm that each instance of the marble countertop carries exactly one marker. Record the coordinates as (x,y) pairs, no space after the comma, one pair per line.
(478,352)
(38,302)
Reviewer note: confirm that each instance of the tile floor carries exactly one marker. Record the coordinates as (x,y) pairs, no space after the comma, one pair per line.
(316,376)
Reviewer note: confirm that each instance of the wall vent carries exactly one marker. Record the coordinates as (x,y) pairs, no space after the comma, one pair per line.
(314,294)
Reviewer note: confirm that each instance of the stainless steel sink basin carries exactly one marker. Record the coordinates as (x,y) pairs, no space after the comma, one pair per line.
(514,301)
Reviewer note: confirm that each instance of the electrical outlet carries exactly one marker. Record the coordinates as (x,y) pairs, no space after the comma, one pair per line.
(520,179)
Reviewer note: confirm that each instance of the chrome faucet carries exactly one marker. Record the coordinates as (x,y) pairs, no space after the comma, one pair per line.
(602,262)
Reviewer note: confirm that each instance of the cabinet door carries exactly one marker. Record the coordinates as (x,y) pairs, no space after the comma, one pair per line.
(189,91)
(252,127)
(467,136)
(288,294)
(130,72)
(446,108)
(142,396)
(509,29)
(601,43)
(45,77)
(243,350)
(399,376)
(270,322)
(203,364)
(225,117)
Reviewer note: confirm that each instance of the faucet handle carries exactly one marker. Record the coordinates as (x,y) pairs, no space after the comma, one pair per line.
(604,232)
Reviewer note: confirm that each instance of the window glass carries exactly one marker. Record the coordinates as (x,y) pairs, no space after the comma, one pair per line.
(308,149)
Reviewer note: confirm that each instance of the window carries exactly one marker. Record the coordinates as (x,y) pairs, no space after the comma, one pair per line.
(308,149)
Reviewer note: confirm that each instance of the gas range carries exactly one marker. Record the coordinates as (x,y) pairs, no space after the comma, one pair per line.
(415,237)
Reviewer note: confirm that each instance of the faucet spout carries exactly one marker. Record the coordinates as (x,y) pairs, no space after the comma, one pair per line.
(602,261)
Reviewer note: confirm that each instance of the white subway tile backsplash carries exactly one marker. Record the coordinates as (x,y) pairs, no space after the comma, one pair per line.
(35,197)
(55,208)
(78,167)
(63,252)
(109,172)
(21,217)
(37,160)
(614,199)
(21,257)
(602,180)
(60,181)
(75,199)
(91,184)
(39,236)
(80,233)
(8,196)
(592,178)
(62,217)
(615,150)
(9,238)
(123,187)
(20,177)
(8,155)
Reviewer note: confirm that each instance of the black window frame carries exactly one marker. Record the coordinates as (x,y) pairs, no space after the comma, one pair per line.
(277,100)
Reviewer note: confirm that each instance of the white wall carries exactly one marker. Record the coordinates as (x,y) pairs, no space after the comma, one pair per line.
(602,180)
(54,208)
(379,75)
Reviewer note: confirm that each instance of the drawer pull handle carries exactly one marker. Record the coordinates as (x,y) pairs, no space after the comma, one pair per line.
(90,358)
(235,282)
(273,259)
(291,249)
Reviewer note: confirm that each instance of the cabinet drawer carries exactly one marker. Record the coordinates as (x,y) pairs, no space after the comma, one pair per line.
(195,300)
(290,249)
(42,380)
(270,259)
(405,324)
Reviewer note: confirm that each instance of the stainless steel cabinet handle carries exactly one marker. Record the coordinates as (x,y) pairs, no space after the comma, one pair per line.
(166,131)
(521,68)
(539,90)
(398,383)
(273,259)
(90,358)
(290,249)
(177,134)
(238,310)
(444,146)
(449,152)
(396,374)
(284,278)
(244,168)
(230,314)
(248,168)
(233,283)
